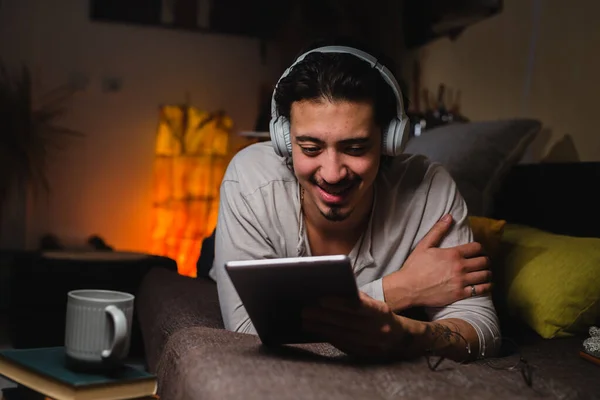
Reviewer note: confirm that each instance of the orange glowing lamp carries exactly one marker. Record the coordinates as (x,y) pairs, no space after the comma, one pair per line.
(191,155)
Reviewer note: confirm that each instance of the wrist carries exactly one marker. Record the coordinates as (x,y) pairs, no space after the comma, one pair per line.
(397,292)
(412,341)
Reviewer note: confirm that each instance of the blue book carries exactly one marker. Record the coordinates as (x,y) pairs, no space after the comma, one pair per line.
(44,370)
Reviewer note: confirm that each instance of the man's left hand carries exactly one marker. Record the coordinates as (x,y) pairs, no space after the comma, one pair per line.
(368,329)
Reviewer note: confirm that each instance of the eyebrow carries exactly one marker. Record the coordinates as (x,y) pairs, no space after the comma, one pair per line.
(351,141)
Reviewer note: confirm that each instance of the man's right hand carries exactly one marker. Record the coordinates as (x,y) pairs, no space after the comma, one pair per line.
(436,277)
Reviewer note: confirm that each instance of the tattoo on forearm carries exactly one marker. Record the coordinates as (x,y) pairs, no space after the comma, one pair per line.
(443,336)
(446,340)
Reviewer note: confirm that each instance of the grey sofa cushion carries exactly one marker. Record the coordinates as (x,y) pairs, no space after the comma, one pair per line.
(477,155)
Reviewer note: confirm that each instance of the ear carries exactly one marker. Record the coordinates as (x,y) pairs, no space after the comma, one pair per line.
(289,163)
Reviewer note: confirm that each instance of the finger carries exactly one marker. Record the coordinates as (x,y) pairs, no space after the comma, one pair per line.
(435,234)
(341,304)
(472,249)
(371,307)
(369,303)
(344,320)
(366,306)
(476,264)
(479,277)
(355,345)
(481,289)
(347,341)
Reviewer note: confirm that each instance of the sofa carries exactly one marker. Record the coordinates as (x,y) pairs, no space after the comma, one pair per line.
(195,358)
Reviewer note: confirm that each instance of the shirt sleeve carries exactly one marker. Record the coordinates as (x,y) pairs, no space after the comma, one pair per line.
(478,311)
(374,289)
(238,237)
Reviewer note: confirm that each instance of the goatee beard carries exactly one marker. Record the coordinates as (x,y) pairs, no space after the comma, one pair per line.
(334,214)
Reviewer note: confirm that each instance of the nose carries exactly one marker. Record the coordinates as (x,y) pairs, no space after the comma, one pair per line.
(332,168)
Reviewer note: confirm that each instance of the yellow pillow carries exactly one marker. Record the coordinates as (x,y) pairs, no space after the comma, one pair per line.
(551,282)
(488,232)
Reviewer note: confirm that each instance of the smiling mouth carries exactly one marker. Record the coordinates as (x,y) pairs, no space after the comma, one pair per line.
(337,192)
(334,196)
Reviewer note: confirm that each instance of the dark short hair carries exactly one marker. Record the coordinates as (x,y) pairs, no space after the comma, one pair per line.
(338,76)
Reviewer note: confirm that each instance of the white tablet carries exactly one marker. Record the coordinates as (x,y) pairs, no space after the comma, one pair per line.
(274,292)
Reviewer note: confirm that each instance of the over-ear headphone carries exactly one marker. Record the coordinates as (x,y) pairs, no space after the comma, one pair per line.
(395,135)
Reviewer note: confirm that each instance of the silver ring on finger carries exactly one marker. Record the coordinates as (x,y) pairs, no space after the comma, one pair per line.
(473,291)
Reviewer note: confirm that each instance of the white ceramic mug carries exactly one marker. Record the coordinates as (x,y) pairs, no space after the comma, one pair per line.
(98,328)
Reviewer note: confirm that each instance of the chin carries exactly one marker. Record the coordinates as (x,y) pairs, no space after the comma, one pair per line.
(336,214)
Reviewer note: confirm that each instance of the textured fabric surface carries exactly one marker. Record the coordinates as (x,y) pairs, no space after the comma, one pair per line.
(205,363)
(550,281)
(167,302)
(477,155)
(195,359)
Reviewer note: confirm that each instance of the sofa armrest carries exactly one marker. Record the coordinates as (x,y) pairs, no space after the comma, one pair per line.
(167,302)
(204,363)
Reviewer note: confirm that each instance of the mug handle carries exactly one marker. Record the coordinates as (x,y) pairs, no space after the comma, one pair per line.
(120,331)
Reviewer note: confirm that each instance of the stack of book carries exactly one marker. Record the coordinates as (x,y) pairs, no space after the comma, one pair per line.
(41,374)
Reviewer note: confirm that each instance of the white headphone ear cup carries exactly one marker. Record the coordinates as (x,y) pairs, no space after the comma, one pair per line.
(389,135)
(395,137)
(275,135)
(280,136)
(404,132)
(285,134)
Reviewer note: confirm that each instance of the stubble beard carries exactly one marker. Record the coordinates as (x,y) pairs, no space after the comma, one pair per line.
(335,214)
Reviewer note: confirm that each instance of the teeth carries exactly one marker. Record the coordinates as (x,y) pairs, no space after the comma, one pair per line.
(338,192)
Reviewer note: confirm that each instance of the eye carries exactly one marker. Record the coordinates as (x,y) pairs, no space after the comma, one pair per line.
(356,150)
(310,150)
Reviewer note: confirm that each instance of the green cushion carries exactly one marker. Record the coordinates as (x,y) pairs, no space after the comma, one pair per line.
(551,282)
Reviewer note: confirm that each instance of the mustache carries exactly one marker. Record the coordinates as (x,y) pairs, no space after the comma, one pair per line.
(336,187)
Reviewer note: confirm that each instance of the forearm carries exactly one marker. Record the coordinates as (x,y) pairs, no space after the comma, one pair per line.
(451,338)
(397,293)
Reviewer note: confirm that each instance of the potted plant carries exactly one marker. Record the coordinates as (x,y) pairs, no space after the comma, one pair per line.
(29,132)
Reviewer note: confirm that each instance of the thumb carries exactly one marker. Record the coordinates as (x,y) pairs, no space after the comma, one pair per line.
(436,233)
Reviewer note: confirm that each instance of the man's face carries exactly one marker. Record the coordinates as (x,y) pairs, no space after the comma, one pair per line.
(336,149)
